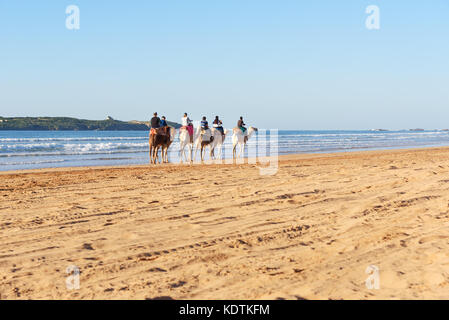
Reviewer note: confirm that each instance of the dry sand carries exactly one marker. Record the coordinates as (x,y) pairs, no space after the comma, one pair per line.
(226,232)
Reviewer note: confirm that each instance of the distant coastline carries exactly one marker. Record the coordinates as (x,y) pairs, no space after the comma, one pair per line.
(73,124)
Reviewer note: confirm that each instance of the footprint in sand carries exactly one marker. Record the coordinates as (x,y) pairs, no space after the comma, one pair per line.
(432,238)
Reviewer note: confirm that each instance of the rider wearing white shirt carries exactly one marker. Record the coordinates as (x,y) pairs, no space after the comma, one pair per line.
(185,121)
(187,125)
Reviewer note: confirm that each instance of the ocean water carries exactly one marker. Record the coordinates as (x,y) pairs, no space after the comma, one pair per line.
(43,149)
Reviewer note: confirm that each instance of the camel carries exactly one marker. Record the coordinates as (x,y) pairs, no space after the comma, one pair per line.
(168,144)
(200,144)
(217,143)
(185,141)
(238,138)
(163,142)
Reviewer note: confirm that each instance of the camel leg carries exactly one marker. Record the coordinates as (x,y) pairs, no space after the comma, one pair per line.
(203,152)
(191,152)
(181,151)
(152,155)
(184,154)
(160,159)
(196,152)
(234,151)
(242,149)
(218,148)
(212,153)
(166,155)
(155,155)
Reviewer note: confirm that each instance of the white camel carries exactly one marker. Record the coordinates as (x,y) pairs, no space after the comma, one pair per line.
(200,144)
(217,143)
(184,141)
(238,138)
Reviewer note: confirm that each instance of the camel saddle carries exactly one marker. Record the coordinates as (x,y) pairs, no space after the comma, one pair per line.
(206,135)
(245,133)
(162,131)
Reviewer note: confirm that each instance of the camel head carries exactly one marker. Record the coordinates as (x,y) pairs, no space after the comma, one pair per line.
(251,130)
(172,133)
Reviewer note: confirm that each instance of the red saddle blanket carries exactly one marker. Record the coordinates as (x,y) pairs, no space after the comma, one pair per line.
(189,129)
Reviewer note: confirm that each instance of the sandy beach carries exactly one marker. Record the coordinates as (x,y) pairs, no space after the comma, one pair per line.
(226,232)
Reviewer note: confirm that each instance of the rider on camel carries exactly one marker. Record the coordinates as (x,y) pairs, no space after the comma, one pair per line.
(186,124)
(218,124)
(205,131)
(164,122)
(155,121)
(204,124)
(241,125)
(156,125)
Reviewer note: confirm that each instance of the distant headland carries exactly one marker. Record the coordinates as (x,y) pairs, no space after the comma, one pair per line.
(73,124)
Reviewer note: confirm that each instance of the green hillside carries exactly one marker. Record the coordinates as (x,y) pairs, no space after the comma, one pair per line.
(72,124)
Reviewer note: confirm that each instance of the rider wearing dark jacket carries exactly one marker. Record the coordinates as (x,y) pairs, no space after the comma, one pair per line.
(155,121)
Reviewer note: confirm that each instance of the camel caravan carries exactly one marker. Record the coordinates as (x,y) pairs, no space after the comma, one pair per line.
(194,139)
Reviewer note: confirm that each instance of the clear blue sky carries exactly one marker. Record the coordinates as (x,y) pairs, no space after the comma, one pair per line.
(285,64)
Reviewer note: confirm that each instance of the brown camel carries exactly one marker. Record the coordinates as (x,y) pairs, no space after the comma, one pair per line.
(162,139)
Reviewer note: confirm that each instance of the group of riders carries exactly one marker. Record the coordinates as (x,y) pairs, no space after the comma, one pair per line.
(160,125)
